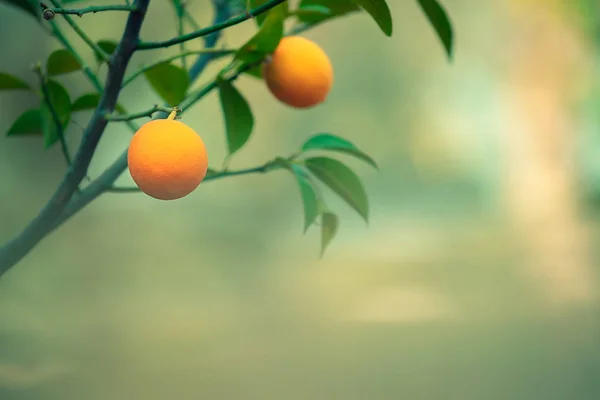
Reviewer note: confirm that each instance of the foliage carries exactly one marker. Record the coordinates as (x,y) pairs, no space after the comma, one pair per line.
(172,80)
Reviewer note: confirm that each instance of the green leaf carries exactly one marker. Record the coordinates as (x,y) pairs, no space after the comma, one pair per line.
(379,10)
(265,41)
(89,101)
(281,10)
(239,120)
(60,100)
(62,61)
(308,192)
(28,123)
(25,5)
(327,141)
(109,47)
(336,8)
(329,228)
(441,23)
(342,180)
(61,103)
(309,10)
(255,72)
(169,81)
(9,82)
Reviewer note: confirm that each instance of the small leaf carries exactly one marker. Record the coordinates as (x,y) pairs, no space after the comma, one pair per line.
(90,101)
(49,128)
(28,123)
(379,10)
(60,100)
(335,8)
(329,228)
(9,82)
(281,10)
(239,120)
(327,141)
(61,103)
(342,181)
(109,47)
(264,42)
(169,81)
(27,6)
(441,23)
(308,192)
(62,61)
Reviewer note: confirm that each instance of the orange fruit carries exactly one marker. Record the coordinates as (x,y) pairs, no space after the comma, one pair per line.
(167,159)
(298,73)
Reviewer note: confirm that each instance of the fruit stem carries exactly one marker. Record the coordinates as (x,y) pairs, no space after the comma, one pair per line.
(173,114)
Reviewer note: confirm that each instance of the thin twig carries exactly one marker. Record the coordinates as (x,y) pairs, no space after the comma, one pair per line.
(261,169)
(128,117)
(60,131)
(91,9)
(214,28)
(179,13)
(93,45)
(217,53)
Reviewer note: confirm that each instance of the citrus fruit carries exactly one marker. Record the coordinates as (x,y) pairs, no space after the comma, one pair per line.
(167,159)
(298,73)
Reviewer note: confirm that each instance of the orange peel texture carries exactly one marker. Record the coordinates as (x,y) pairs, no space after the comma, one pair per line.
(298,73)
(167,159)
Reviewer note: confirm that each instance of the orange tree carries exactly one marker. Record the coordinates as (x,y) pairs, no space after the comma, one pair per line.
(295,70)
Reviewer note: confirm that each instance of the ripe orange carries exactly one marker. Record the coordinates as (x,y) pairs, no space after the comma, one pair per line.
(298,73)
(167,159)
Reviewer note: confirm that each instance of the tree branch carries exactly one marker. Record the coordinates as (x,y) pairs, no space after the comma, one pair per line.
(17,248)
(91,9)
(211,29)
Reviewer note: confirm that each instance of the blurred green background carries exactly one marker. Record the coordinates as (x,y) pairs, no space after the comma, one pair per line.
(476,278)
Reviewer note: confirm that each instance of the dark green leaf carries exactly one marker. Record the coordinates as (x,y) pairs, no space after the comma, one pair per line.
(308,192)
(336,8)
(49,129)
(342,181)
(169,81)
(59,98)
(90,101)
(264,42)
(379,10)
(8,82)
(441,23)
(329,228)
(109,47)
(30,7)
(28,123)
(327,141)
(239,120)
(281,10)
(255,72)
(62,62)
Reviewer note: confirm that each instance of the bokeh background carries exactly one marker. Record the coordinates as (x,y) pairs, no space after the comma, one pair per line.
(475,279)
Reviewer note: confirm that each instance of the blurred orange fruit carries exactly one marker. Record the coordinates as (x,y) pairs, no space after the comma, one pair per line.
(167,159)
(298,73)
